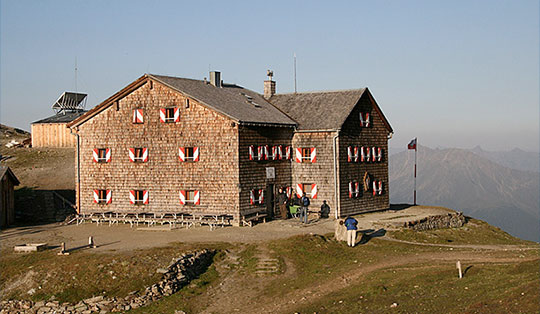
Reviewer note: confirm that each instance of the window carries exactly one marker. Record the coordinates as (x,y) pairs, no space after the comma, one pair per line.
(138,154)
(188,154)
(311,190)
(102,196)
(138,197)
(352,154)
(256,197)
(168,115)
(101,155)
(138,116)
(306,154)
(258,152)
(364,119)
(190,197)
(354,189)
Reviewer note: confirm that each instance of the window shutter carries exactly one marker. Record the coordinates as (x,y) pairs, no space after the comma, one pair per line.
(362,154)
(95,154)
(259,152)
(138,116)
(109,196)
(182,197)
(145,154)
(251,197)
(349,154)
(176,114)
(108,155)
(162,115)
(379,154)
(368,154)
(132,154)
(356,189)
(197,198)
(145,197)
(298,155)
(289,191)
(367,120)
(314,191)
(96,196)
(313,154)
(280,152)
(195,154)
(266,150)
(350,189)
(374,187)
(299,190)
(132,197)
(261,196)
(288,152)
(380,188)
(251,152)
(373,153)
(274,152)
(182,153)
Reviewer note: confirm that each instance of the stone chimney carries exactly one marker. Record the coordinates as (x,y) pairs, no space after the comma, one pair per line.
(269,85)
(215,78)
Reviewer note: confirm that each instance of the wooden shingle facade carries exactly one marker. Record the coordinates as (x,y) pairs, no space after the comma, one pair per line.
(173,145)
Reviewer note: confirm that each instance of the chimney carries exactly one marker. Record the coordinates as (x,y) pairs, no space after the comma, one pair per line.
(215,78)
(269,85)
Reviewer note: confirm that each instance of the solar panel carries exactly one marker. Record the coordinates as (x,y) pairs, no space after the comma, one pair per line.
(70,101)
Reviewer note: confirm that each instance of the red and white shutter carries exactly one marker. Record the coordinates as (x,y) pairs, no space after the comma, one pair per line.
(356,154)
(95,154)
(314,191)
(260,150)
(132,197)
(96,196)
(280,152)
(138,116)
(145,197)
(251,152)
(261,196)
(367,120)
(251,197)
(132,154)
(351,190)
(197,198)
(274,153)
(182,153)
(313,155)
(380,189)
(298,155)
(289,191)
(379,154)
(299,190)
(374,187)
(266,152)
(107,155)
(195,154)
(356,189)
(182,197)
(176,114)
(362,120)
(162,115)
(368,154)
(145,154)
(349,154)
(362,154)
(288,152)
(373,153)
(108,197)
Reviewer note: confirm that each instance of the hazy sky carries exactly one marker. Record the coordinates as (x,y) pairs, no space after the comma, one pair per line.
(452,73)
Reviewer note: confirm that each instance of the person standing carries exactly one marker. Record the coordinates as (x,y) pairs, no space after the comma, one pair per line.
(351,224)
(304,209)
(283,200)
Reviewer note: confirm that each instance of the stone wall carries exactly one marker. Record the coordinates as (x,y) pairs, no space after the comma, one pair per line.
(451,220)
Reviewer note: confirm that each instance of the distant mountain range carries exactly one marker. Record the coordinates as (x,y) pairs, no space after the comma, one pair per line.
(472,182)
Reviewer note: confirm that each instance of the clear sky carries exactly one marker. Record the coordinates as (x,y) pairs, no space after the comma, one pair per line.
(452,73)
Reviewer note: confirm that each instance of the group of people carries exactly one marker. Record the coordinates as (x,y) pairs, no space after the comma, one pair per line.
(304,202)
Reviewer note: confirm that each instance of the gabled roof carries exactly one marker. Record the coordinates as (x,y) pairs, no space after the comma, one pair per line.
(62,117)
(7,171)
(239,104)
(325,110)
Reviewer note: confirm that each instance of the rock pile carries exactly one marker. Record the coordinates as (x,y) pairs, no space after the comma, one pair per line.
(178,274)
(450,220)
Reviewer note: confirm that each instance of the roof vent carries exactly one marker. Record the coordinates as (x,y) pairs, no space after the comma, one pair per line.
(215,78)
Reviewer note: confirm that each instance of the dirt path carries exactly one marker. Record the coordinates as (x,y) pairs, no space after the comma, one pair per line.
(497,247)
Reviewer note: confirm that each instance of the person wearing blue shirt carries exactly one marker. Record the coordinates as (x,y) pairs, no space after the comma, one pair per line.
(351,223)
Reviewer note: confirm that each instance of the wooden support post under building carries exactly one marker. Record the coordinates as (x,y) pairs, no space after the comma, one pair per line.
(63,249)
(91,242)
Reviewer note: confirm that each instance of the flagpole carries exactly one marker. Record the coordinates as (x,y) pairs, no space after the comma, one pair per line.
(415,150)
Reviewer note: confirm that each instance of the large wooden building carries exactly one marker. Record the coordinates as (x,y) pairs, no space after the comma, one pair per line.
(174,145)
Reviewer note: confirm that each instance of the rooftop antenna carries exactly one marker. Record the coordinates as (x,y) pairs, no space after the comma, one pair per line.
(295,72)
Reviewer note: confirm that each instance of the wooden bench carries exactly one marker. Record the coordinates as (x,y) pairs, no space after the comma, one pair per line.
(248,220)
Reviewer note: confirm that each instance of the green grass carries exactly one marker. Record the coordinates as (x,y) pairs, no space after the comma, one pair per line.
(473,232)
(84,274)
(486,288)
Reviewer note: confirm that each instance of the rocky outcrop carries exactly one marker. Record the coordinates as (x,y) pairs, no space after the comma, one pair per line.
(178,274)
(450,220)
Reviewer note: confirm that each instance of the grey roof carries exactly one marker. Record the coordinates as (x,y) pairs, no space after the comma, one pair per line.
(62,117)
(6,170)
(236,102)
(318,110)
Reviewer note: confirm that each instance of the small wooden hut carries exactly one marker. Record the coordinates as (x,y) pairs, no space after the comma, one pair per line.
(8,181)
(53,131)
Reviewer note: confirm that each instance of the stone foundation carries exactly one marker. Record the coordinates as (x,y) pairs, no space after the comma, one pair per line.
(451,220)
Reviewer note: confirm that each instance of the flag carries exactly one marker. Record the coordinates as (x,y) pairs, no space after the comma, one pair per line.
(412,144)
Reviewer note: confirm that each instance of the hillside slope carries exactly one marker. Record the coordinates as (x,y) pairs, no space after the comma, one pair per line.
(479,187)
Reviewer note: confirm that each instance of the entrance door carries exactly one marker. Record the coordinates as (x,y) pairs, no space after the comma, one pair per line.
(270,202)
